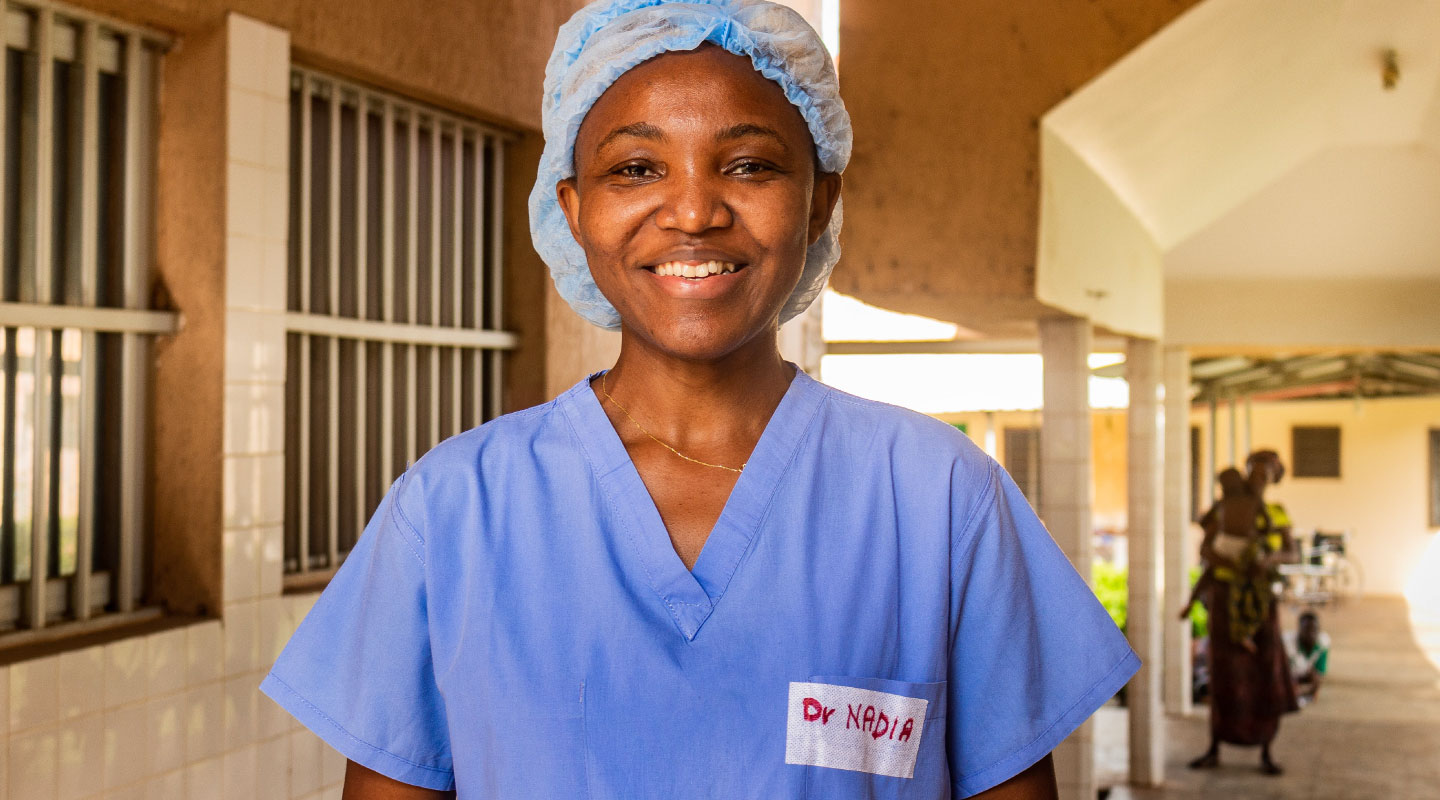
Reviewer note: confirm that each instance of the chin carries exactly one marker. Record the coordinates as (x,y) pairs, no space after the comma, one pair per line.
(701,339)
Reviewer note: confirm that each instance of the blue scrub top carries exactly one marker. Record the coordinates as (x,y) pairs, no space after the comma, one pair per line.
(877,613)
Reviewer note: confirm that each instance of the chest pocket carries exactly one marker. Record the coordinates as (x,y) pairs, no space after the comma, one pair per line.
(868,738)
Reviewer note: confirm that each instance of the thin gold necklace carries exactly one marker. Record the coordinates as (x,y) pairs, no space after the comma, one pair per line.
(606,392)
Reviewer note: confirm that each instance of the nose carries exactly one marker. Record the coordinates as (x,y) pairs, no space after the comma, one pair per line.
(693,204)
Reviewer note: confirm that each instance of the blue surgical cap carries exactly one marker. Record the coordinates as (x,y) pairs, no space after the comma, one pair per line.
(606,39)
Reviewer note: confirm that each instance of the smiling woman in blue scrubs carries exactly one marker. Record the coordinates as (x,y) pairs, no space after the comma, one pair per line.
(699,574)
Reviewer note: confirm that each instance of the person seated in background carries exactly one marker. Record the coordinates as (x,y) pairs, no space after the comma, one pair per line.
(1309,650)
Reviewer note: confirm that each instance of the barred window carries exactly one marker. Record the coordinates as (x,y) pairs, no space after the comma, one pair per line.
(75,232)
(1315,450)
(394,323)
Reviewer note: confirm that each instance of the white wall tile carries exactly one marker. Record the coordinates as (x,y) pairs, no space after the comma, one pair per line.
(273,626)
(165,787)
(240,768)
(271,719)
(241,569)
(245,199)
(165,732)
(306,751)
(274,216)
(276,64)
(298,605)
(275,133)
(254,488)
(205,780)
(246,123)
(126,675)
(254,347)
(81,748)
(34,764)
(4,704)
(4,768)
(241,644)
(332,766)
(273,767)
(135,791)
(254,418)
(204,722)
(248,47)
(272,561)
(82,682)
(34,693)
(241,703)
(332,793)
(244,265)
(126,745)
(165,661)
(275,271)
(205,653)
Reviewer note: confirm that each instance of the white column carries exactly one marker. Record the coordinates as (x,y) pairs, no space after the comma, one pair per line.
(1143,492)
(1065,497)
(1178,555)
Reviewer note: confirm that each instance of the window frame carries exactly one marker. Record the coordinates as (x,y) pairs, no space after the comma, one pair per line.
(93,45)
(356,339)
(1301,452)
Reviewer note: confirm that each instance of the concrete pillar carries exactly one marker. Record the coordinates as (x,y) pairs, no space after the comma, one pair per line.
(1234,433)
(1249,427)
(1212,454)
(1145,476)
(1178,555)
(1065,492)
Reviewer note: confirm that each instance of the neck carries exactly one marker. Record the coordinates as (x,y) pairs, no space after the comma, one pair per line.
(704,403)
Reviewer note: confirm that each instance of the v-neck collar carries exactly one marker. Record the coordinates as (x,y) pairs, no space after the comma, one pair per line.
(691,595)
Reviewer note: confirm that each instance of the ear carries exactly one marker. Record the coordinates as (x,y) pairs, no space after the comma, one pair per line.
(569,199)
(822,203)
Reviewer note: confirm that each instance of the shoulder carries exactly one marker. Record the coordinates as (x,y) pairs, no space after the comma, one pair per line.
(912,444)
(455,472)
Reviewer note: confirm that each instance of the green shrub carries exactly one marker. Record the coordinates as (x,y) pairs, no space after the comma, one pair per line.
(1112,587)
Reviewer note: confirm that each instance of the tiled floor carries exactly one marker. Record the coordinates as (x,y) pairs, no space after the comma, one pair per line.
(1374,733)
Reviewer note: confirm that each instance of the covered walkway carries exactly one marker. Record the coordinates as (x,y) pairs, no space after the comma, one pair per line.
(1373,733)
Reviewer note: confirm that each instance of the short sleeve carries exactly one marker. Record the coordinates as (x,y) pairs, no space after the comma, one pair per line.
(1033,653)
(358,671)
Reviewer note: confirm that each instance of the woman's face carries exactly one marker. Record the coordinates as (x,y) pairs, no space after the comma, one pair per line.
(695,197)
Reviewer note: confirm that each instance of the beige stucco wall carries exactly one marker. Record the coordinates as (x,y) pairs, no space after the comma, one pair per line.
(1265,315)
(1380,497)
(1381,494)
(942,197)
(484,57)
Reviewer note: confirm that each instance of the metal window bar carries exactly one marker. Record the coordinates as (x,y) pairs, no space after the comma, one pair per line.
(76,165)
(394,321)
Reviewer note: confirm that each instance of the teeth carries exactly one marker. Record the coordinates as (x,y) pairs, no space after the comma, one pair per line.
(678,269)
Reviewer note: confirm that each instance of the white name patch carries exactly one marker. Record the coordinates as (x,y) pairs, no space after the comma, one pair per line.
(856,729)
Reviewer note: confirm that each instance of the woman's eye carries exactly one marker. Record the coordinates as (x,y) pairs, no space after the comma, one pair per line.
(749,168)
(634,171)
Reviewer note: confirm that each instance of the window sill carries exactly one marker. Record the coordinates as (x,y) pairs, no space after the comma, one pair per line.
(24,645)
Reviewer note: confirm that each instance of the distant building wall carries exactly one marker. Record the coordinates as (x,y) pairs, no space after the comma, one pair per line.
(1381,494)
(1380,497)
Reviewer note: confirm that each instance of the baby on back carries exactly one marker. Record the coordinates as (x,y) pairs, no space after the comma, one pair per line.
(1236,525)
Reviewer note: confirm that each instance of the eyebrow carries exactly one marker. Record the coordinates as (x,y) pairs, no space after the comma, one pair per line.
(642,130)
(745,129)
